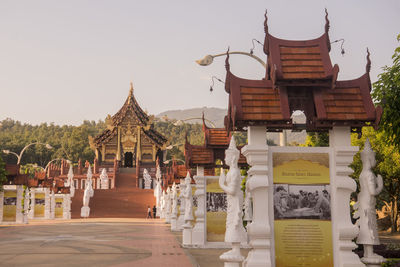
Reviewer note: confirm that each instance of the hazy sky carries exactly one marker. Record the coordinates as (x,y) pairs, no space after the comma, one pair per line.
(67,61)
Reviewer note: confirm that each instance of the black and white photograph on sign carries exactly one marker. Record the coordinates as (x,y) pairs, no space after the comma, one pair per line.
(302,202)
(10,201)
(216,202)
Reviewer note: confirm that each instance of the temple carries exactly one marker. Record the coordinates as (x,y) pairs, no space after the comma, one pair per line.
(212,154)
(130,138)
(299,76)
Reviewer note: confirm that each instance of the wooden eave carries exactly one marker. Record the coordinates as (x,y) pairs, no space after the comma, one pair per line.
(105,137)
(349,104)
(215,137)
(255,102)
(198,156)
(156,137)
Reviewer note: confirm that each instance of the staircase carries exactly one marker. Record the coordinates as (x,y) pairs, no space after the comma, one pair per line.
(124,201)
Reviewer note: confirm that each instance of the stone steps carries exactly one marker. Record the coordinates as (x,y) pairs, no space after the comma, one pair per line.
(124,201)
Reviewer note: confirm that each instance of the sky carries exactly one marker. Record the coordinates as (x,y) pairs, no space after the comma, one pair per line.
(64,62)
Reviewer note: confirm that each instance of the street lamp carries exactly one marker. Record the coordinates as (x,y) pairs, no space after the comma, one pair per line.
(6,151)
(207,60)
(48,164)
(180,122)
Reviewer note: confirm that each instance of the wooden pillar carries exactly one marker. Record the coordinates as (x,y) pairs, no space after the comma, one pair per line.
(119,143)
(139,142)
(259,231)
(103,152)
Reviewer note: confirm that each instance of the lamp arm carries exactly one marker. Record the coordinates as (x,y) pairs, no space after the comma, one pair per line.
(243,53)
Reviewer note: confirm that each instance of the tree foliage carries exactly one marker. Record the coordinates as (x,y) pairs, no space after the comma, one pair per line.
(317,139)
(387,93)
(3,178)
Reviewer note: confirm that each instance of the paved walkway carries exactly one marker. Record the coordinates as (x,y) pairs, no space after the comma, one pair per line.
(92,242)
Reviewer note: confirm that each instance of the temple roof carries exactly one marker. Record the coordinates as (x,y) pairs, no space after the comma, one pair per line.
(215,137)
(132,105)
(140,116)
(206,156)
(299,76)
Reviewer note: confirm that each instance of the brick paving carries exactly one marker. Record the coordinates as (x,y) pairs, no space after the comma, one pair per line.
(92,242)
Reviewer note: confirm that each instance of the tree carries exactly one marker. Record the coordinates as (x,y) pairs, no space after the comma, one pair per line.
(3,173)
(387,93)
(317,139)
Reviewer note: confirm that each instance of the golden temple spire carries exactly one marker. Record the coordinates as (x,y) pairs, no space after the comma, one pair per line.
(130,93)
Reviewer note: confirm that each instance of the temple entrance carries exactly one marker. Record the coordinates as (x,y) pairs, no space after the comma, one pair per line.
(128,159)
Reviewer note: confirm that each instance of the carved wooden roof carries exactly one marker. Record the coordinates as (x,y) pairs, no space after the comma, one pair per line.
(140,116)
(215,137)
(132,105)
(206,156)
(299,76)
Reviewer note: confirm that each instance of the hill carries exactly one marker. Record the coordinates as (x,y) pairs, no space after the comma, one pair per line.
(215,115)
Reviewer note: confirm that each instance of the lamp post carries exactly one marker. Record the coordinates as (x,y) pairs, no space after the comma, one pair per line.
(48,164)
(180,122)
(207,60)
(6,151)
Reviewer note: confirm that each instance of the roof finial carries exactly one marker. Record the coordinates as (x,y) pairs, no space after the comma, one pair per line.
(327,26)
(368,67)
(266,43)
(227,66)
(130,93)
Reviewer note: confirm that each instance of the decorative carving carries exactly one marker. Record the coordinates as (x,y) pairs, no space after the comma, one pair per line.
(104,182)
(87,194)
(368,66)
(266,42)
(370,186)
(230,183)
(327,26)
(147,179)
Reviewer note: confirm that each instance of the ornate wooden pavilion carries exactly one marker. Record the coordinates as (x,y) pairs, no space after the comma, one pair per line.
(130,138)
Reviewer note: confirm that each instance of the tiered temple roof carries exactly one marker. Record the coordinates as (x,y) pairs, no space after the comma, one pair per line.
(299,76)
(216,141)
(140,118)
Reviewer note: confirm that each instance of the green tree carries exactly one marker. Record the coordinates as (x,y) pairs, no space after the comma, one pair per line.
(317,139)
(3,173)
(387,93)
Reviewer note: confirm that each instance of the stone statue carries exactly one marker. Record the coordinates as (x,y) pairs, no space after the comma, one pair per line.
(71,181)
(168,205)
(87,194)
(147,179)
(370,186)
(158,190)
(187,194)
(174,209)
(162,205)
(248,206)
(104,182)
(230,183)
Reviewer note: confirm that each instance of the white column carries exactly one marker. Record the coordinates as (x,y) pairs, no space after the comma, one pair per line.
(181,218)
(46,203)
(19,217)
(31,213)
(26,205)
(66,206)
(198,231)
(343,153)
(52,206)
(259,231)
(1,205)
